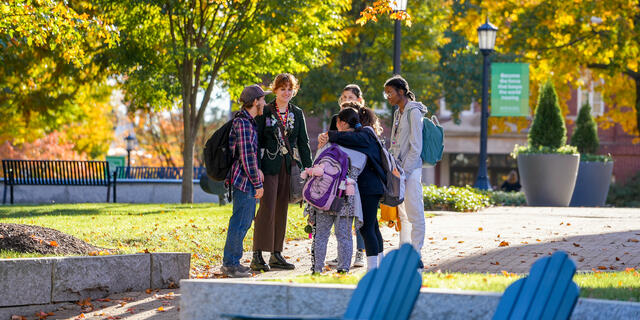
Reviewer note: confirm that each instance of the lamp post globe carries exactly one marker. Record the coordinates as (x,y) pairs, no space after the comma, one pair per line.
(487,36)
(486,41)
(131,140)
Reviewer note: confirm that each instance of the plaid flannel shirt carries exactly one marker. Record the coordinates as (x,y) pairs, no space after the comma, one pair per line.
(243,142)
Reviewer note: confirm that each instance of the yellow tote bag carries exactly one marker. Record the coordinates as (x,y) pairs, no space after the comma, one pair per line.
(389,217)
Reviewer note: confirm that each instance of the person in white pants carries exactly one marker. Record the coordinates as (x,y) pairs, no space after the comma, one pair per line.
(406,146)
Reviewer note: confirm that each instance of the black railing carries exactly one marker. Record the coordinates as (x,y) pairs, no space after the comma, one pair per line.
(164,173)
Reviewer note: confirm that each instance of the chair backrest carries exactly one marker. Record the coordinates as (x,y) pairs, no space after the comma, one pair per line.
(547,293)
(390,291)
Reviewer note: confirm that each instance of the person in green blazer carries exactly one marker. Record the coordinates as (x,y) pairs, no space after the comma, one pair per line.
(282,135)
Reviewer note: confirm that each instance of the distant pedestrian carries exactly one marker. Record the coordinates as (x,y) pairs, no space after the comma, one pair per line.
(512,184)
(245,177)
(282,134)
(406,146)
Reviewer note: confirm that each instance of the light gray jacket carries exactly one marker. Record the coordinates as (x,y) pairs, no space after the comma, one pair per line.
(406,136)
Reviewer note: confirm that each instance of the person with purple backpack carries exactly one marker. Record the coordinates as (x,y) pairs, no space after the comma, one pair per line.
(346,208)
(371,181)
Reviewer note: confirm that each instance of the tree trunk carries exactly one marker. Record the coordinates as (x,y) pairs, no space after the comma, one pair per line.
(187,171)
(187,151)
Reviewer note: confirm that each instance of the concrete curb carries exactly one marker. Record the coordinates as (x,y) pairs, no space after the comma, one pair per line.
(207,299)
(46,281)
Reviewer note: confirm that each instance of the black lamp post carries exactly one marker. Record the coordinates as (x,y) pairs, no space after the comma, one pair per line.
(486,42)
(397,5)
(131,140)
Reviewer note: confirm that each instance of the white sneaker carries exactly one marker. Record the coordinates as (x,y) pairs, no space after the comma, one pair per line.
(359,260)
(333,263)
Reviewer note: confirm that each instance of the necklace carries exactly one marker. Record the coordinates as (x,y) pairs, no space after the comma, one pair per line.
(283,119)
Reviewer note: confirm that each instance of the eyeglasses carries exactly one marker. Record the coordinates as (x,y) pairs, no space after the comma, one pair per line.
(386,95)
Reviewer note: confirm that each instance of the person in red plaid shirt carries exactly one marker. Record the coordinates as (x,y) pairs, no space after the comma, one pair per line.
(245,177)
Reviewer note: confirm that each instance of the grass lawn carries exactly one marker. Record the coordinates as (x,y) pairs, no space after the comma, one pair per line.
(622,285)
(130,228)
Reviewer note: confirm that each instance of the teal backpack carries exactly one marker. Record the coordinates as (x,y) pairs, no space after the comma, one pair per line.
(432,141)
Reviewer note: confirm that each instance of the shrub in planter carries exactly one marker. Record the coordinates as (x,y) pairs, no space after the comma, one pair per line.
(547,166)
(594,173)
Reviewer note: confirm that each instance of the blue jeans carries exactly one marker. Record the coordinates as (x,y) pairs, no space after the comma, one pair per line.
(244,209)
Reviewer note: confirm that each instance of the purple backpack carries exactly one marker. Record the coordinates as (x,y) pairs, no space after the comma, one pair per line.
(321,191)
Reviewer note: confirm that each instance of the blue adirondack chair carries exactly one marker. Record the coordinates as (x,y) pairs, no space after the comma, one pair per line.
(388,292)
(547,293)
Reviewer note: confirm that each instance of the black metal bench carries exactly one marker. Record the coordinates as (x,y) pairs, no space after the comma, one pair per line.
(55,172)
(170,173)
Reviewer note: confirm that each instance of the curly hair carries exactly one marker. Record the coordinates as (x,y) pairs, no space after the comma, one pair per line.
(369,118)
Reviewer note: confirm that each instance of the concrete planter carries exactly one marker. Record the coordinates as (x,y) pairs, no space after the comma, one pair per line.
(548,179)
(45,282)
(208,299)
(592,184)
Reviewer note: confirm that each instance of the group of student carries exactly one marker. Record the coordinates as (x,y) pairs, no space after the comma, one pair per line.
(267,139)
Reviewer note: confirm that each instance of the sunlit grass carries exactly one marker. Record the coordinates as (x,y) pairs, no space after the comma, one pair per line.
(130,228)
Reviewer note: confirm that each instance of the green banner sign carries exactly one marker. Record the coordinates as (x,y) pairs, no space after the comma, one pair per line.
(115,161)
(509,89)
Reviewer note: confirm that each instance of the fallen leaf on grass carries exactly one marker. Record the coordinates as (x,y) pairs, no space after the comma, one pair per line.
(53,243)
(460,241)
(576,245)
(602,268)
(480,229)
(148,291)
(495,263)
(633,240)
(81,316)
(503,244)
(160,309)
(449,276)
(445,238)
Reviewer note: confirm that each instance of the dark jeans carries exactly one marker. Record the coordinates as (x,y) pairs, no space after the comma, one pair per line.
(359,241)
(370,230)
(244,209)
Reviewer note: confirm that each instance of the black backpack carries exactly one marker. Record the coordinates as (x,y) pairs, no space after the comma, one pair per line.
(217,154)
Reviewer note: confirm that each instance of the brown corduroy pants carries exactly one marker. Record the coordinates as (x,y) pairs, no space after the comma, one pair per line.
(270,223)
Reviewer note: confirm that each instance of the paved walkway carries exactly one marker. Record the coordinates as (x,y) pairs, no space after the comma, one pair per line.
(491,240)
(511,239)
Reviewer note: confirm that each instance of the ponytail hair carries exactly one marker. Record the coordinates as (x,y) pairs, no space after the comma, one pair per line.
(350,116)
(399,83)
(369,118)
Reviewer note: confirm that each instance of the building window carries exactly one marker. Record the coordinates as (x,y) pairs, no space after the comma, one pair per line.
(444,112)
(463,168)
(594,98)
